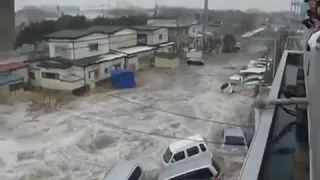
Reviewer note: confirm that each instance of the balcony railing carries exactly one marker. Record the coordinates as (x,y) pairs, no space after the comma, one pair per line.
(261,162)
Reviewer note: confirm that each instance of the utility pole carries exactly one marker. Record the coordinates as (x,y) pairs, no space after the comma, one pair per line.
(205,15)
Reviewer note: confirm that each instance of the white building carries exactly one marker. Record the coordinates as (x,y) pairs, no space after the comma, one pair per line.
(78,59)
(154,36)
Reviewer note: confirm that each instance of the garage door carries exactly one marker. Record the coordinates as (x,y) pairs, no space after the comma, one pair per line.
(146,61)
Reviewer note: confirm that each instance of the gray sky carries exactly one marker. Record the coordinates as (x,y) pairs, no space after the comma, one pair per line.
(267,5)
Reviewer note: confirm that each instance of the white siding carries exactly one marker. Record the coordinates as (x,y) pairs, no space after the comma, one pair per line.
(79,48)
(123,38)
(83,74)
(153,37)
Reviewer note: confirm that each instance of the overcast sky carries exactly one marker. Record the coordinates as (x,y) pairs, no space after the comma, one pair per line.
(266,5)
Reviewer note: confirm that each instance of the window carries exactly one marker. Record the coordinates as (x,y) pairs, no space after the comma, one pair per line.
(167,155)
(160,36)
(204,173)
(106,70)
(93,47)
(193,151)
(16,86)
(235,141)
(50,75)
(62,51)
(31,75)
(203,148)
(194,29)
(179,156)
(117,66)
(136,174)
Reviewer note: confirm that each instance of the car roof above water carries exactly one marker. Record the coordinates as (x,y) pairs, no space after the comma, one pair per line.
(233,131)
(202,161)
(121,170)
(189,141)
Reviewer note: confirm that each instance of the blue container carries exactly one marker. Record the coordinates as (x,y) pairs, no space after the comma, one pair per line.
(122,79)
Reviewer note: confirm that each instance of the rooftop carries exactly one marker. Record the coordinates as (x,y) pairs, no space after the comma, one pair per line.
(11,66)
(135,49)
(73,34)
(62,63)
(145,28)
(176,146)
(9,78)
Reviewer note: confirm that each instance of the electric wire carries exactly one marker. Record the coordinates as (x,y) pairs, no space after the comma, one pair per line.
(179,114)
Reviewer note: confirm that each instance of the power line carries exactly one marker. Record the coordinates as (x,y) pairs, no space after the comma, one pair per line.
(178,114)
(146,133)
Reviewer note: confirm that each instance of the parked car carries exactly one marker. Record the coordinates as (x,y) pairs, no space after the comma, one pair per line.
(259,64)
(191,61)
(125,170)
(239,77)
(203,167)
(256,70)
(252,80)
(234,141)
(183,150)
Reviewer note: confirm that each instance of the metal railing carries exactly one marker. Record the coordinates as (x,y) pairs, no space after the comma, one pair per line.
(254,160)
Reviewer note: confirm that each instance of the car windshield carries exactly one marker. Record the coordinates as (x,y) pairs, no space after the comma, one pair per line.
(167,155)
(235,141)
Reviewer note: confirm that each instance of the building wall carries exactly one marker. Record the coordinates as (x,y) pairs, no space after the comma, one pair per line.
(7,21)
(80,47)
(123,38)
(166,63)
(87,76)
(153,37)
(194,30)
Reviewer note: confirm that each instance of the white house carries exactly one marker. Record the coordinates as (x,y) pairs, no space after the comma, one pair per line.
(78,59)
(154,36)
(195,33)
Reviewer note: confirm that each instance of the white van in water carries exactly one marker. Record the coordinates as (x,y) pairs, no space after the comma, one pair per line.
(185,149)
(202,167)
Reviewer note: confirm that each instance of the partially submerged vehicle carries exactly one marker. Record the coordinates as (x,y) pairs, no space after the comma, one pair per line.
(238,78)
(194,57)
(252,80)
(234,141)
(183,150)
(125,170)
(202,167)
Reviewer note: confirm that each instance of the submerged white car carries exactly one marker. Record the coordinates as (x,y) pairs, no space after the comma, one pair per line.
(234,141)
(252,80)
(183,150)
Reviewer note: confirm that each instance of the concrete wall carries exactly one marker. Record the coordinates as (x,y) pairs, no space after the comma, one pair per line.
(7,30)
(166,63)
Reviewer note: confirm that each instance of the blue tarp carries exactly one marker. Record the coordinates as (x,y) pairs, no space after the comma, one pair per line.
(9,78)
(122,79)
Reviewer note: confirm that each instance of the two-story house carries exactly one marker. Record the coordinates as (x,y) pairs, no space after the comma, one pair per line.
(183,33)
(78,59)
(154,36)
(196,36)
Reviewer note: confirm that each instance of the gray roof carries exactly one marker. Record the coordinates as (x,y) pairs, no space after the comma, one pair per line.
(75,34)
(121,170)
(145,28)
(62,63)
(187,166)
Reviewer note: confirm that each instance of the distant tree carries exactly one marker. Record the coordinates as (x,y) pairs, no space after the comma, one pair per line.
(34,33)
(72,22)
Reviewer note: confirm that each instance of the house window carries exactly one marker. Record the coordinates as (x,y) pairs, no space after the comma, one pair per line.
(17,86)
(50,75)
(160,36)
(32,76)
(194,29)
(62,51)
(106,70)
(117,66)
(93,47)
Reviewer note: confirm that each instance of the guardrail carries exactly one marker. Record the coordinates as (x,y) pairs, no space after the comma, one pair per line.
(254,159)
